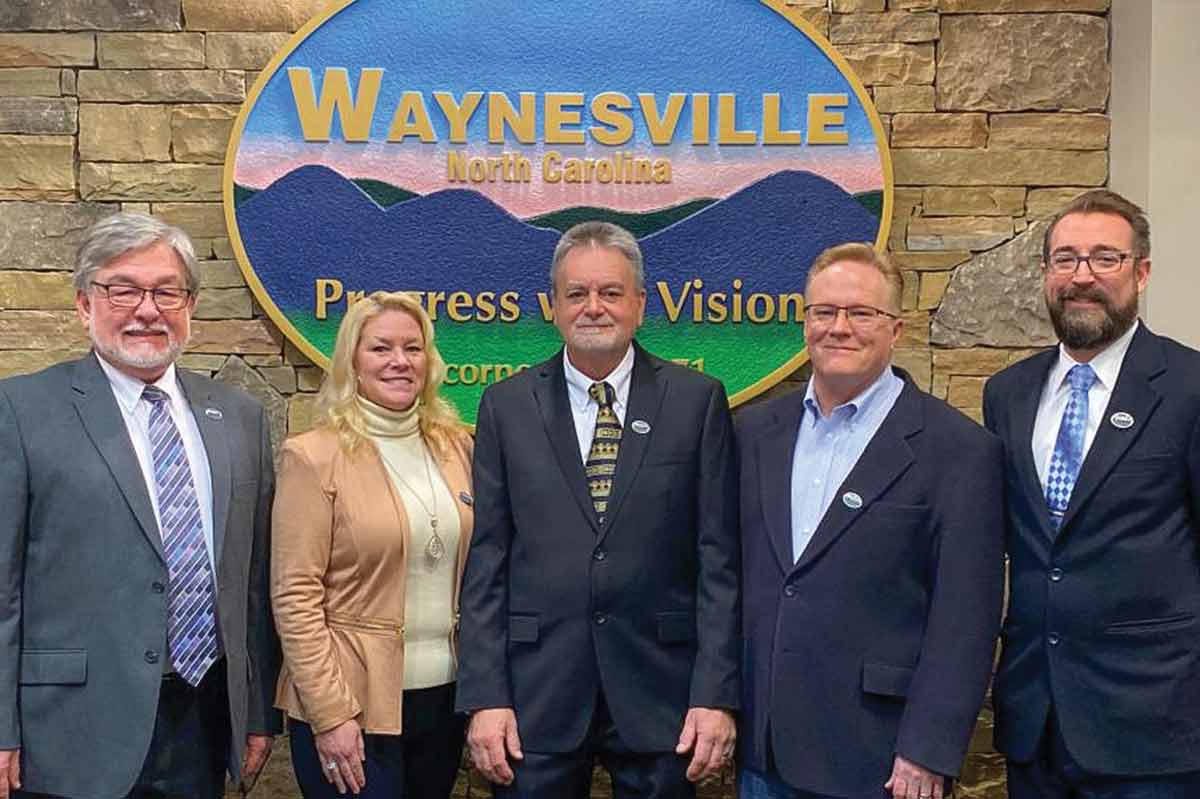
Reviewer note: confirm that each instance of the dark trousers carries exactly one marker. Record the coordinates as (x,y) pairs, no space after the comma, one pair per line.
(568,775)
(422,763)
(189,748)
(1054,774)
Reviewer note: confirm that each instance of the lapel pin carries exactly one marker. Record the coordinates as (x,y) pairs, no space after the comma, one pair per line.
(640,426)
(466,498)
(213,413)
(852,500)
(1121,420)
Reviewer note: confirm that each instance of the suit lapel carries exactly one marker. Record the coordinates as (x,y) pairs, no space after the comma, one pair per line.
(210,419)
(886,457)
(105,426)
(1024,416)
(1134,395)
(646,393)
(550,392)
(776,451)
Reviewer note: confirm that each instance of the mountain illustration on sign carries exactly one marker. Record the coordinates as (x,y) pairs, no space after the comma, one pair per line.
(314,223)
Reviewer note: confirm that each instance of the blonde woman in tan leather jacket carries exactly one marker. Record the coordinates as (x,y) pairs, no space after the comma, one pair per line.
(372,521)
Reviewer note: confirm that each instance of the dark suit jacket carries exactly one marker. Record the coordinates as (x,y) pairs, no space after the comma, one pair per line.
(83,610)
(879,640)
(1103,619)
(556,608)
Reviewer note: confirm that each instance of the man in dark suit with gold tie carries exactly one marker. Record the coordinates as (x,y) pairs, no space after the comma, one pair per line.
(600,600)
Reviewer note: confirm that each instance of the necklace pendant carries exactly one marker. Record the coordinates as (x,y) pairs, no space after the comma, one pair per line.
(433,522)
(434,548)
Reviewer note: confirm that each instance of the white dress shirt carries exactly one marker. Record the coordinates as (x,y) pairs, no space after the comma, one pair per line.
(1056,393)
(136,412)
(584,408)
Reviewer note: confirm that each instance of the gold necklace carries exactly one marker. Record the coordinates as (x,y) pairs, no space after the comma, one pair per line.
(434,547)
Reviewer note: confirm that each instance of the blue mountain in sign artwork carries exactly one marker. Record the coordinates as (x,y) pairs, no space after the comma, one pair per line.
(767,234)
(313,223)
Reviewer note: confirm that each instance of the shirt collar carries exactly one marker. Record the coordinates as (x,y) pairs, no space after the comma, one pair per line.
(858,405)
(128,390)
(578,383)
(1106,364)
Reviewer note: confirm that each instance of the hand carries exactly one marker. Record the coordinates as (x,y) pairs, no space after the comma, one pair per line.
(343,748)
(258,749)
(10,771)
(492,737)
(709,734)
(910,781)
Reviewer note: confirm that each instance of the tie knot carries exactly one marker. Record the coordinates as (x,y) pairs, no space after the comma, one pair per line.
(603,394)
(1081,377)
(154,395)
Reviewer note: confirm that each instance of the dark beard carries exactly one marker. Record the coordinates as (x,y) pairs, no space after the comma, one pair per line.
(1082,330)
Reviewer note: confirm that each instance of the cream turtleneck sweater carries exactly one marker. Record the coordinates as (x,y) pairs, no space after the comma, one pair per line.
(428,603)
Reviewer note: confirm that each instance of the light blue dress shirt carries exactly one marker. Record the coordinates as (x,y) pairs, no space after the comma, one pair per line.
(828,447)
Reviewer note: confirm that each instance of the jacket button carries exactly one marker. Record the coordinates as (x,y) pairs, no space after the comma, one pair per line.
(789,590)
(1054,639)
(157,587)
(600,618)
(1056,575)
(599,554)
(151,656)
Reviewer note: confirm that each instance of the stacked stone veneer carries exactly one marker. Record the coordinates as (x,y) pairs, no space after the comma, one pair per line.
(995,110)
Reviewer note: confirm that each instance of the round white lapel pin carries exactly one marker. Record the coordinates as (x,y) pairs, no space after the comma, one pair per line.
(1121,420)
(852,500)
(640,426)
(213,413)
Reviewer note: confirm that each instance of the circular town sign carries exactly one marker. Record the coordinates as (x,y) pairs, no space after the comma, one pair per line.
(442,146)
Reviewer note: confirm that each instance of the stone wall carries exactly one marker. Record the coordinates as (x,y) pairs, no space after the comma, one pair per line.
(995,111)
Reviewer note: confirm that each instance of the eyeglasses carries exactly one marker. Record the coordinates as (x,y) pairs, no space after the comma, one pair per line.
(858,315)
(124,296)
(1101,262)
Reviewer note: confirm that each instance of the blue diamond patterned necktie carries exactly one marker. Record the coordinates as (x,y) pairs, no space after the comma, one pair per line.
(191,624)
(606,441)
(1068,447)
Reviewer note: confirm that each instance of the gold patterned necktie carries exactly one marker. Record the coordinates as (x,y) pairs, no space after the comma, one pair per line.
(602,457)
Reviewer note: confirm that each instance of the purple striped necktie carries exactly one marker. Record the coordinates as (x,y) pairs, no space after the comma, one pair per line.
(191,624)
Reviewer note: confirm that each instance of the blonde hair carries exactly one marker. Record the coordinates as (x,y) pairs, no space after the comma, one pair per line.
(337,402)
(861,253)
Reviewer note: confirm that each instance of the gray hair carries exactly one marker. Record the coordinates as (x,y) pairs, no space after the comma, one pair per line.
(599,234)
(120,233)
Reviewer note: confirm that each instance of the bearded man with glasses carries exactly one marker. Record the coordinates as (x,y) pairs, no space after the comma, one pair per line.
(1098,688)
(872,570)
(137,652)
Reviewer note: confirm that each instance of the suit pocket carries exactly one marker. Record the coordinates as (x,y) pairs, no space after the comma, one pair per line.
(884,680)
(1176,621)
(53,667)
(676,626)
(522,629)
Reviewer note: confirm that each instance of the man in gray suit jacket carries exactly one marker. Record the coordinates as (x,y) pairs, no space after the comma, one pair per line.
(137,652)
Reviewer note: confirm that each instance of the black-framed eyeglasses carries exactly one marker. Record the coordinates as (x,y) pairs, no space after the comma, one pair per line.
(122,295)
(1101,262)
(856,315)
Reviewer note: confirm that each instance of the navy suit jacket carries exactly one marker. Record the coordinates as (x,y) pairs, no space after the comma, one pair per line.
(1102,623)
(879,640)
(556,607)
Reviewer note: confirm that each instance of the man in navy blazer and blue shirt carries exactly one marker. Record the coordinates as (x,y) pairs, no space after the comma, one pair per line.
(1098,689)
(600,602)
(872,568)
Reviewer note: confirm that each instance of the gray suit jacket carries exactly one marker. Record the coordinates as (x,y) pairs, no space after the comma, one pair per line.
(83,610)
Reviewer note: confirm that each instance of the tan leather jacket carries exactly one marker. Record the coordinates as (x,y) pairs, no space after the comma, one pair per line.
(339,543)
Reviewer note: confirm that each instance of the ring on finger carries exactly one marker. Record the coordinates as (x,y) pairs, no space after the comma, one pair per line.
(331,765)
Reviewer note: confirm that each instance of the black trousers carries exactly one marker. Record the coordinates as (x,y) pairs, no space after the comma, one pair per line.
(1054,774)
(422,763)
(568,775)
(189,748)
